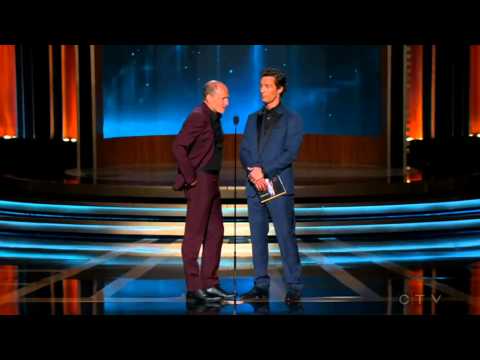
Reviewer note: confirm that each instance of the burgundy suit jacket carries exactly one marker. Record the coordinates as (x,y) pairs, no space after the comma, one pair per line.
(193,147)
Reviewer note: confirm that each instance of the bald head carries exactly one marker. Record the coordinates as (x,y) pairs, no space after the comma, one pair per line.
(215,95)
(211,86)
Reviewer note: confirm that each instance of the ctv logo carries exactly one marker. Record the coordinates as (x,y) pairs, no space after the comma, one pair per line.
(416,299)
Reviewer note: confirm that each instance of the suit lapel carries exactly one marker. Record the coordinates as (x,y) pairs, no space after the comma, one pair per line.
(259,130)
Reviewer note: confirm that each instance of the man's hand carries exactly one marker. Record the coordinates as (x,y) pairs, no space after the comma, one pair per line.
(193,183)
(261,184)
(256,174)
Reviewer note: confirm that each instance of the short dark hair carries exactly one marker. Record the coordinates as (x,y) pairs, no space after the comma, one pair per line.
(280,78)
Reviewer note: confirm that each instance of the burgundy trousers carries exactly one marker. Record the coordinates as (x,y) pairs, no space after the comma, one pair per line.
(204,226)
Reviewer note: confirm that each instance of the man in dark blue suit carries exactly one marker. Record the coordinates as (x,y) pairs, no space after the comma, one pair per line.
(271,142)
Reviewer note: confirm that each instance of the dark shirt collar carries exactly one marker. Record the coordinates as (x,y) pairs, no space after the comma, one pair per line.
(212,114)
(277,110)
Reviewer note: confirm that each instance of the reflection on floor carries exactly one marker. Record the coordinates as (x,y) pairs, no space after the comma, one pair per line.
(345,276)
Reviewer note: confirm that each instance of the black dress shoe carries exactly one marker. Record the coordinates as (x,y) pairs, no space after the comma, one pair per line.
(292,297)
(262,308)
(201,296)
(295,308)
(218,291)
(195,307)
(255,294)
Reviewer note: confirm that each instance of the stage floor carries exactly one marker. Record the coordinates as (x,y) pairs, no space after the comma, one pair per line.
(372,242)
(343,276)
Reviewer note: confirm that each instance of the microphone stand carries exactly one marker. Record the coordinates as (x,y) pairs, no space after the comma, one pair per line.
(235,123)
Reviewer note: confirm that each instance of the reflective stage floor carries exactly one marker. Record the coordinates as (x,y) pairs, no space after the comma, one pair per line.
(357,275)
(372,242)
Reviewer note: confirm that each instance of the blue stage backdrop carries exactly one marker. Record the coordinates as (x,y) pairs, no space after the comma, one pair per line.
(150,90)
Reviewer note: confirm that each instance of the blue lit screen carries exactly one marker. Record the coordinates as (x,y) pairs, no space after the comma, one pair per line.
(150,89)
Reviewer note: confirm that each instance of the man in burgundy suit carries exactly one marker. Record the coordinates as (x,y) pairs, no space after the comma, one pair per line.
(198,150)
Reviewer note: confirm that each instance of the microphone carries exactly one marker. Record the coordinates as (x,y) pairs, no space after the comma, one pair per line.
(236,120)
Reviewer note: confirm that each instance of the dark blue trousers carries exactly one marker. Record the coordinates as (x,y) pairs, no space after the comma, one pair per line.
(281,211)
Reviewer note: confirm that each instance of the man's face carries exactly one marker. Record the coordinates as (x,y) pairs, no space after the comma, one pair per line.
(219,99)
(269,90)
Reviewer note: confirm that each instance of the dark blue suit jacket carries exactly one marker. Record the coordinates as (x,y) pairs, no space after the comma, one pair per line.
(278,149)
